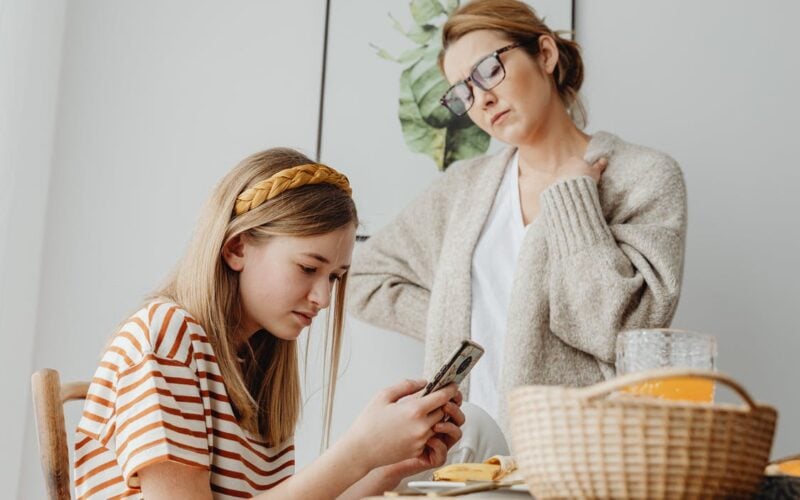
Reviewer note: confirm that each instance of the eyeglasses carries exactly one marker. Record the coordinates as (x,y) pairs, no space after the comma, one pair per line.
(486,74)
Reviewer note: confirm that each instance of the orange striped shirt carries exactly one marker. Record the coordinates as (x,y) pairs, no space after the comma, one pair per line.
(158,395)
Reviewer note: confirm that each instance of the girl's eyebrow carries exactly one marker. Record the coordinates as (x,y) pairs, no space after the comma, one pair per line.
(323,259)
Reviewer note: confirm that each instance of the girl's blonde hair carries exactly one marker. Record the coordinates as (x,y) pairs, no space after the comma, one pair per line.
(265,395)
(518,22)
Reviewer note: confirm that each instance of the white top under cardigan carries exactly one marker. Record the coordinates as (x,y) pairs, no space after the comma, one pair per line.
(600,258)
(493,265)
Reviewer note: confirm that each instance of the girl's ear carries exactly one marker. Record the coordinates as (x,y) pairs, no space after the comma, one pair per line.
(233,253)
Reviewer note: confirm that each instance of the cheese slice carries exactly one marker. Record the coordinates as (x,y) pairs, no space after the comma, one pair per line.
(493,469)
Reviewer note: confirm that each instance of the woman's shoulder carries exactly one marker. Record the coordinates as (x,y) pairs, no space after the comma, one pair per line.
(633,164)
(160,328)
(468,169)
(469,172)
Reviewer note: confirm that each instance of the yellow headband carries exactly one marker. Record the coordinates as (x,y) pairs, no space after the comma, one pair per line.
(290,178)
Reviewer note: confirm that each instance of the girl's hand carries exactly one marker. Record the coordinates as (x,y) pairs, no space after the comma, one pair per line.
(393,428)
(577,167)
(435,453)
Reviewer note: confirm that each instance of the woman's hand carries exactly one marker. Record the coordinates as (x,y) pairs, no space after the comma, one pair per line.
(577,167)
(393,428)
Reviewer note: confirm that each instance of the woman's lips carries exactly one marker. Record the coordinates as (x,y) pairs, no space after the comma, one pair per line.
(499,116)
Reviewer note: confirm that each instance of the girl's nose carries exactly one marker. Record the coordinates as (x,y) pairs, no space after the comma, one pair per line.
(320,293)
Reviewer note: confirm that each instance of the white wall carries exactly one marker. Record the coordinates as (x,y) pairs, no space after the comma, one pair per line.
(715,84)
(30,54)
(157,101)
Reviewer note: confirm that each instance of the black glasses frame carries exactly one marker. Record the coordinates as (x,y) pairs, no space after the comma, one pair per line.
(468,81)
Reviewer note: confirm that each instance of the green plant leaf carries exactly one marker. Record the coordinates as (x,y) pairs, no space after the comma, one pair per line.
(428,85)
(458,138)
(419,136)
(450,6)
(424,10)
(409,56)
(422,34)
(427,126)
(418,34)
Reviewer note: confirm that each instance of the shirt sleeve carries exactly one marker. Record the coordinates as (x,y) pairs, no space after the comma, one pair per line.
(160,417)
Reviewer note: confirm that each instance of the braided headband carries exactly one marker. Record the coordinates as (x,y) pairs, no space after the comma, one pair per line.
(290,178)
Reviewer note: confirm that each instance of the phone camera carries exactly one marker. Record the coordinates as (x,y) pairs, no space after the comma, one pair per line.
(464,365)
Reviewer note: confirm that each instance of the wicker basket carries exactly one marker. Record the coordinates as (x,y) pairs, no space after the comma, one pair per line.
(576,443)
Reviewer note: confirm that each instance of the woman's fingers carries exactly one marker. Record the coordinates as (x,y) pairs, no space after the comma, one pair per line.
(600,164)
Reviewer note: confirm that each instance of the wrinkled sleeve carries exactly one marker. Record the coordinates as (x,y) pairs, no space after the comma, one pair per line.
(390,281)
(608,277)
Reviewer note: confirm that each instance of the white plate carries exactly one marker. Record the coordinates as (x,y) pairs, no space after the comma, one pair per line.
(427,486)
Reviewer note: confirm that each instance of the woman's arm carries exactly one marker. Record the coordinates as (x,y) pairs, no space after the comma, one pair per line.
(392,272)
(605,277)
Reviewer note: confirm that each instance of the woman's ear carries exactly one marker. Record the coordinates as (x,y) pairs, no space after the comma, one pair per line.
(233,253)
(548,53)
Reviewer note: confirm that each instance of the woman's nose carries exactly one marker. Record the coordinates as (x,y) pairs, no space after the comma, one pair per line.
(483,98)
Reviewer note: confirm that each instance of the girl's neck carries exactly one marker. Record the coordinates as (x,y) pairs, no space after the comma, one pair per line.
(551,144)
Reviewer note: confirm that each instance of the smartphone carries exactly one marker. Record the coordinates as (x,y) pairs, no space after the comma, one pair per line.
(457,367)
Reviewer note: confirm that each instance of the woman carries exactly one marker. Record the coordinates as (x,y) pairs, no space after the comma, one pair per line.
(543,252)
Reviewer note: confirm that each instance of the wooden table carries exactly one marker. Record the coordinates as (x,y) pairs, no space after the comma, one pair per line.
(487,495)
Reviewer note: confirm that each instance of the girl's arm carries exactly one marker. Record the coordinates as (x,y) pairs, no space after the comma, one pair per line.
(390,430)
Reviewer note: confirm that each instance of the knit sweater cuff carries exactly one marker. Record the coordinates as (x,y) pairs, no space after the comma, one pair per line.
(573,215)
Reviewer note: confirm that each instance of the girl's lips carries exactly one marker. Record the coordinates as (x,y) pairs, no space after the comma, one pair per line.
(302,318)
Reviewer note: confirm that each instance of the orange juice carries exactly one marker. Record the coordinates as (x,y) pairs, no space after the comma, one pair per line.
(677,389)
(790,467)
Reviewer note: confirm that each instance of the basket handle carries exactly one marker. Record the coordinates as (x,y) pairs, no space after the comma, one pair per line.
(604,388)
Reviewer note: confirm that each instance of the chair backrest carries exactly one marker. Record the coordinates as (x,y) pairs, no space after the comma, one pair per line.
(48,399)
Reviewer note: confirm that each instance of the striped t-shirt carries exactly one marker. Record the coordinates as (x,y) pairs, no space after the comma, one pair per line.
(158,395)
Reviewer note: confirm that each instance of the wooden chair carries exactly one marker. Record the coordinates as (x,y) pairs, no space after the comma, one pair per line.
(49,396)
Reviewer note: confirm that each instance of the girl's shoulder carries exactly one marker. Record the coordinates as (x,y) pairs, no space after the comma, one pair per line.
(160,329)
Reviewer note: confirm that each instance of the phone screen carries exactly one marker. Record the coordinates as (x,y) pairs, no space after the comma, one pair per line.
(457,367)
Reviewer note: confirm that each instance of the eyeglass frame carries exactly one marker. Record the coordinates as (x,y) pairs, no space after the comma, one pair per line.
(469,80)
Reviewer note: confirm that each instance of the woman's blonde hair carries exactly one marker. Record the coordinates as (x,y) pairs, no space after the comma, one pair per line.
(519,22)
(265,394)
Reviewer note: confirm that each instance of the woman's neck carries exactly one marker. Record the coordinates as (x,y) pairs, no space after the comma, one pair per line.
(551,144)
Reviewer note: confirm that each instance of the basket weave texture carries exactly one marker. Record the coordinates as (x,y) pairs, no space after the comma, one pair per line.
(579,443)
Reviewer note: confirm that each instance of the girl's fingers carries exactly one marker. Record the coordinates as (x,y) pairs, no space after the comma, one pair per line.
(450,433)
(438,398)
(434,416)
(393,393)
(455,413)
(438,451)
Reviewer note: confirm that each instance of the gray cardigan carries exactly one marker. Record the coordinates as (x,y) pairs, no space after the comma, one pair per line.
(597,260)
